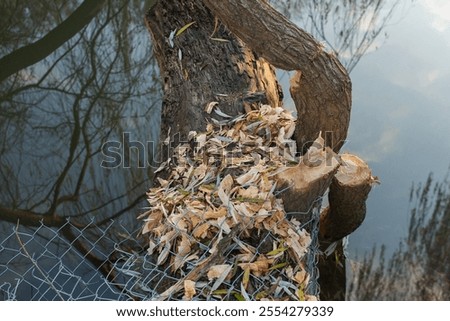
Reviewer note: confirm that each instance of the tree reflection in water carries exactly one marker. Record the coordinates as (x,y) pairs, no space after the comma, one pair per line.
(55,115)
(57,109)
(420,267)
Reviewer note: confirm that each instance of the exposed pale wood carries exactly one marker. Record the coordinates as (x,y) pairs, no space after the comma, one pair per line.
(304,183)
(322,94)
(347,199)
(221,70)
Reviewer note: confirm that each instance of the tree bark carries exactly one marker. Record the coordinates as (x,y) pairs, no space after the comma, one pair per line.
(206,63)
(321,90)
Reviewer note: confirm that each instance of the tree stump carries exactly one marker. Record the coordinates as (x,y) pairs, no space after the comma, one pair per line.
(347,199)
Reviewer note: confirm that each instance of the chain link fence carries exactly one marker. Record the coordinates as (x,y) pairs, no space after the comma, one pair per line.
(64,263)
(108,262)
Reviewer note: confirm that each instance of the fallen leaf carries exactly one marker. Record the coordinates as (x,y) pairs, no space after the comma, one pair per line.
(217,271)
(163,255)
(183,249)
(210,106)
(215,213)
(300,277)
(201,231)
(220,39)
(259,267)
(189,289)
(276,251)
(246,277)
(183,29)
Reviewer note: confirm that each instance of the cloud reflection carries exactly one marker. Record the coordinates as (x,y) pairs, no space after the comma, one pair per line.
(383,146)
(440,9)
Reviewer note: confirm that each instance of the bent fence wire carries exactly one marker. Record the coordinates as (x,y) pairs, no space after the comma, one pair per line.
(107,262)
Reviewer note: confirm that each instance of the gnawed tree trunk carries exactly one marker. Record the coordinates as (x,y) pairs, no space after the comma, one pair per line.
(224,52)
(346,211)
(303,184)
(349,190)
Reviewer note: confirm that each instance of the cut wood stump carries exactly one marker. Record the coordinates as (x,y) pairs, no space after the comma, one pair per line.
(300,186)
(347,199)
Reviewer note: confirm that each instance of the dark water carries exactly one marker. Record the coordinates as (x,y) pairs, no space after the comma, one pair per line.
(56,114)
(102,85)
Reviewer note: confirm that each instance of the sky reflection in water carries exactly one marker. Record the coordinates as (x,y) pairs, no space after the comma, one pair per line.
(400,118)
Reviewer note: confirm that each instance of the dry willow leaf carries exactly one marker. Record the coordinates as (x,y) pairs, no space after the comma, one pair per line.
(153,220)
(163,255)
(258,267)
(213,213)
(210,106)
(300,277)
(183,249)
(246,277)
(178,221)
(217,271)
(224,189)
(201,231)
(189,289)
(227,176)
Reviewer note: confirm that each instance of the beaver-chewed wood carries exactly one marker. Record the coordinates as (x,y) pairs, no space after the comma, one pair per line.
(300,186)
(321,89)
(347,199)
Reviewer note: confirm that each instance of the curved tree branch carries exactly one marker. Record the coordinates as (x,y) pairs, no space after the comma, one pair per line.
(32,53)
(321,92)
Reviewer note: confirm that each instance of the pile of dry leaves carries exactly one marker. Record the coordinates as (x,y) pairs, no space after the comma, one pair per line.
(216,223)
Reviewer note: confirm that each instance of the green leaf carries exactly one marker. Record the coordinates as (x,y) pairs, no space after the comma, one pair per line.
(301,293)
(223,292)
(183,29)
(276,251)
(278,266)
(250,200)
(261,295)
(220,292)
(183,192)
(239,296)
